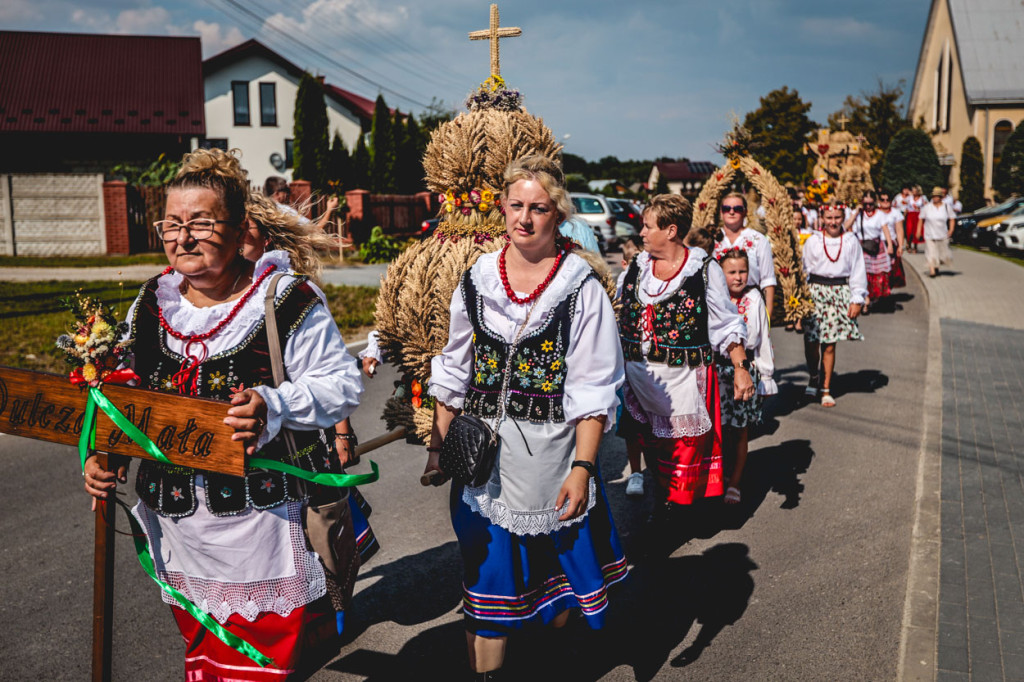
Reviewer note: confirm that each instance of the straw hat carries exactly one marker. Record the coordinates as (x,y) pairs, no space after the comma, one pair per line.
(938,191)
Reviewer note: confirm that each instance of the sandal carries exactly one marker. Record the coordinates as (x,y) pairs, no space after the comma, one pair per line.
(811,392)
(826,399)
(732,496)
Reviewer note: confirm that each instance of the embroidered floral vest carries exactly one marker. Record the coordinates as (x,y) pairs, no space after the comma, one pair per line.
(680,322)
(536,365)
(170,490)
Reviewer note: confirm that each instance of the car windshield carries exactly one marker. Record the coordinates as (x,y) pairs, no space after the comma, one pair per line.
(587,205)
(998,208)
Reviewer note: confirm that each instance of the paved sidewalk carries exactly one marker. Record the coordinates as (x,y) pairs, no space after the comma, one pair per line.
(976,607)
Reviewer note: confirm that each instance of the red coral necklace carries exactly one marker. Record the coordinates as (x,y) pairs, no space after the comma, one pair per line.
(540,287)
(824,245)
(187,376)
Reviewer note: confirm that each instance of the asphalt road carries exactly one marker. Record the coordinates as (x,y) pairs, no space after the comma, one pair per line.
(804,581)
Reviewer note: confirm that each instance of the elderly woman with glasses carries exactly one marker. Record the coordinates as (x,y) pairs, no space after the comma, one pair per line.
(736,235)
(235,546)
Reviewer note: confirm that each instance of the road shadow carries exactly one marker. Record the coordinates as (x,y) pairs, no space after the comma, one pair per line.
(861,381)
(891,304)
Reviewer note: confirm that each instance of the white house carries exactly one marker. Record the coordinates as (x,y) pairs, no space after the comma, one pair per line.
(250,105)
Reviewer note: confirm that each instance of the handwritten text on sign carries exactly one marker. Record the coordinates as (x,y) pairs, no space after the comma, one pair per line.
(190,431)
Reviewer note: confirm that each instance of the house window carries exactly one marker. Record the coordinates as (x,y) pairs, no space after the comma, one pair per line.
(214,143)
(1000,135)
(268,104)
(240,100)
(289,153)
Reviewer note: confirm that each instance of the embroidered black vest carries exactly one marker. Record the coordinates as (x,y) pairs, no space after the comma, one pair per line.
(680,334)
(170,490)
(536,367)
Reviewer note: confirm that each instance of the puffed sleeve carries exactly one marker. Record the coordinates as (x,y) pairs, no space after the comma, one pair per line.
(759,341)
(372,349)
(593,359)
(858,275)
(323,385)
(811,255)
(765,264)
(450,371)
(725,324)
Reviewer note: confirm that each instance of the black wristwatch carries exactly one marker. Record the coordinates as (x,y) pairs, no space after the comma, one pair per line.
(745,364)
(587,466)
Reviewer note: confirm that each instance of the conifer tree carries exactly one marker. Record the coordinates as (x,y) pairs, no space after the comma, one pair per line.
(361,165)
(340,166)
(312,144)
(972,175)
(409,163)
(911,160)
(382,156)
(1008,176)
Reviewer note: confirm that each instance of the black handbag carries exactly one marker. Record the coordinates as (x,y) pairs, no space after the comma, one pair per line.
(470,447)
(469,450)
(869,246)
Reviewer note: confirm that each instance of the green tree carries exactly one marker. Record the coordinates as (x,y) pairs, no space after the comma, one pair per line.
(361,165)
(409,158)
(339,166)
(875,115)
(910,159)
(434,115)
(779,129)
(312,144)
(972,175)
(576,182)
(662,186)
(382,154)
(1008,177)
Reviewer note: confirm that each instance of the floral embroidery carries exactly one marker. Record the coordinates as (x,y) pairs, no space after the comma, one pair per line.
(487,366)
(673,334)
(216,380)
(556,365)
(547,346)
(167,384)
(176,493)
(268,484)
(225,492)
(152,487)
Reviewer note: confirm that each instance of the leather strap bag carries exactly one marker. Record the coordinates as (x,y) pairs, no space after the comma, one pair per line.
(326,517)
(869,246)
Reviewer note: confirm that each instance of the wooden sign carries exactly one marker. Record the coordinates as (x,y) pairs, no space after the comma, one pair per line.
(189,431)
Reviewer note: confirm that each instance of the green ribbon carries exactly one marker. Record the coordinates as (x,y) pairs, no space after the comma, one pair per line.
(219,631)
(334,480)
(87,441)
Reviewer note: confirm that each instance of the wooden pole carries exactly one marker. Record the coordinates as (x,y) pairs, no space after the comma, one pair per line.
(103,587)
(380,441)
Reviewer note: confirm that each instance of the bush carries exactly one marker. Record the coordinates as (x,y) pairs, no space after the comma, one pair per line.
(911,160)
(380,248)
(972,175)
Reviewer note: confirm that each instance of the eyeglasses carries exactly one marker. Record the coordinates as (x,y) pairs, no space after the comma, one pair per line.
(868,204)
(733,209)
(199,229)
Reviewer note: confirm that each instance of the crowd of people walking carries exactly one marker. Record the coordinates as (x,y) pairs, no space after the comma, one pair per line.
(540,364)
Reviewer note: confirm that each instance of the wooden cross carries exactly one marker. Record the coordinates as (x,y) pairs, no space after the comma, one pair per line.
(494,34)
(842,120)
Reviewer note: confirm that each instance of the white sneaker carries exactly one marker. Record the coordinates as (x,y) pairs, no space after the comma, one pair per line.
(635,485)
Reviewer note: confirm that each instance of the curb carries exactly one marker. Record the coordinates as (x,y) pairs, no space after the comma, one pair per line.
(919,635)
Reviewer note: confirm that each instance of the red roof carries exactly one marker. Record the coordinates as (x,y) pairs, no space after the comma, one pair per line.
(685,170)
(357,104)
(92,83)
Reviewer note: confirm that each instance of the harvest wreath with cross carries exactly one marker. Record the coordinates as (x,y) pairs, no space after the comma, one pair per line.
(778,220)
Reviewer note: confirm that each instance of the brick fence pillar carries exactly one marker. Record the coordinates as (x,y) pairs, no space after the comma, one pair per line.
(115,212)
(301,192)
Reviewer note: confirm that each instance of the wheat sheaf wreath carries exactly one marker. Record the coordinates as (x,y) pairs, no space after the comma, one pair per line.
(778,227)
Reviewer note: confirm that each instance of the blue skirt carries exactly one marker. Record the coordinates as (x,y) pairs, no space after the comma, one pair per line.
(366,541)
(512,580)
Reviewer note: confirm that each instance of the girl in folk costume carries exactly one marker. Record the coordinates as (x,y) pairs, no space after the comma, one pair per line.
(739,415)
(911,208)
(676,313)
(894,219)
(532,344)
(735,234)
(277,236)
(871,227)
(834,265)
(235,546)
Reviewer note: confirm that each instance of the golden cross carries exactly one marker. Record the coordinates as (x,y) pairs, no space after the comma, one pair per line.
(842,120)
(494,34)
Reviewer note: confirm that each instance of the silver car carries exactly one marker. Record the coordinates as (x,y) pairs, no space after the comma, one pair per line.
(594,209)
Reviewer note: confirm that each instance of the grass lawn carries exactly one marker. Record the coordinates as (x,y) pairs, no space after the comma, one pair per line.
(31,316)
(82,262)
(1005,255)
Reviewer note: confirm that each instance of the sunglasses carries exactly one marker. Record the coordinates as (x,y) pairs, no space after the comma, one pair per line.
(733,209)
(868,204)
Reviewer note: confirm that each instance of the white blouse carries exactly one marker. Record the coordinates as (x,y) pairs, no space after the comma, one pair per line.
(872,227)
(755,315)
(761,270)
(849,261)
(210,558)
(593,359)
(673,399)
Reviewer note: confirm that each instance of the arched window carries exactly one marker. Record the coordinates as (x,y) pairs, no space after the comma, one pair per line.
(1000,135)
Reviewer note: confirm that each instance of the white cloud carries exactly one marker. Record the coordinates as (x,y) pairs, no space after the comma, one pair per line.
(214,40)
(144,21)
(840,28)
(13,11)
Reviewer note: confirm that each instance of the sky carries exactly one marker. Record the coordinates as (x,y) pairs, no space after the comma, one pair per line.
(637,80)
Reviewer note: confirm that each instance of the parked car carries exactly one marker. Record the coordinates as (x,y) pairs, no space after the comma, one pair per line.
(987,230)
(628,219)
(1009,234)
(594,209)
(969,228)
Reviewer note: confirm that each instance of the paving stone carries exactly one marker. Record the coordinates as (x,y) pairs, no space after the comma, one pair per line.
(986,671)
(952,650)
(950,676)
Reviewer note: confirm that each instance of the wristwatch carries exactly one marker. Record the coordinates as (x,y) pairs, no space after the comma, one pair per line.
(745,364)
(586,466)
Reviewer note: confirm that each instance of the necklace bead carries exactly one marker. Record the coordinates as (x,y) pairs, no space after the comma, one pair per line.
(503,270)
(824,246)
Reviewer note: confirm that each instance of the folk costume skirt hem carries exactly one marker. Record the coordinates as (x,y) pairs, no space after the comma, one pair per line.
(830,322)
(878,285)
(511,581)
(691,467)
(305,638)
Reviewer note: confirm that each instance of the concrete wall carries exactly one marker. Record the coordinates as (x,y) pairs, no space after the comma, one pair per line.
(256,141)
(52,214)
